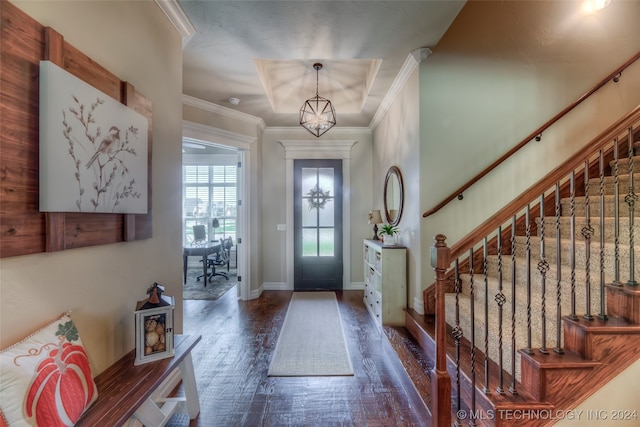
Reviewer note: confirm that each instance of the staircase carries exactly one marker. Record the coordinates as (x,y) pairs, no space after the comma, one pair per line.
(542,290)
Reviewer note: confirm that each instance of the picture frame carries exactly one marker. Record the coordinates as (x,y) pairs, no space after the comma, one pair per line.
(154,334)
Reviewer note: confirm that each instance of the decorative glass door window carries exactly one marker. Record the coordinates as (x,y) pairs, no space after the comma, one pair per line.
(318,213)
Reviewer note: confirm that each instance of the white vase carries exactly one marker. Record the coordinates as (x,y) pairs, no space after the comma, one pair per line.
(390,240)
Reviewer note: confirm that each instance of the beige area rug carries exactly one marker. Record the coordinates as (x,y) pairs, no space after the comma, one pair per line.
(312,341)
(216,287)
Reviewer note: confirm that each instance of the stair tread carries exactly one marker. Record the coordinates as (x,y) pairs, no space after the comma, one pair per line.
(553,360)
(612,324)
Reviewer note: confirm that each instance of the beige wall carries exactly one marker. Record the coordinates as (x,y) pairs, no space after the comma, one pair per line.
(501,71)
(396,142)
(273,206)
(102,284)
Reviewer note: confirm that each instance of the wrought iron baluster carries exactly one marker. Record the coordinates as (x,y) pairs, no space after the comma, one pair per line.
(512,387)
(572,242)
(631,200)
(528,350)
(558,348)
(457,335)
(500,300)
(602,315)
(486,316)
(587,233)
(543,267)
(473,337)
(616,215)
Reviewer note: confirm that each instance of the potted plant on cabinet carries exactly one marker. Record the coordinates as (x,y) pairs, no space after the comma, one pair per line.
(389,234)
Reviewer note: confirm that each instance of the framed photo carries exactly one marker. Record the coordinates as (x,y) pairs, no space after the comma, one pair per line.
(154,334)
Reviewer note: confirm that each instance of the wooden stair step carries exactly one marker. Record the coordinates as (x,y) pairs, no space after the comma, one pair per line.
(595,351)
(422,330)
(584,336)
(624,302)
(545,375)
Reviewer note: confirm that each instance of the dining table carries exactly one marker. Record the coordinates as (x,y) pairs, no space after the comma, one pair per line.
(201,250)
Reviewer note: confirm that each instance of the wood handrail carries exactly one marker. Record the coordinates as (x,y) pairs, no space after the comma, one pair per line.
(531,136)
(545,183)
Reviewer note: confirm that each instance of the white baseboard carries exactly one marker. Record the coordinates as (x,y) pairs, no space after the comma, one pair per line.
(355,286)
(282,286)
(255,293)
(418,305)
(275,286)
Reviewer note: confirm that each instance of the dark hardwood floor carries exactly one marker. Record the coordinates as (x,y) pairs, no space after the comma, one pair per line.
(231,362)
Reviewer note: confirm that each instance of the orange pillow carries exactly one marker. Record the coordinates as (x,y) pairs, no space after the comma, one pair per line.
(45,379)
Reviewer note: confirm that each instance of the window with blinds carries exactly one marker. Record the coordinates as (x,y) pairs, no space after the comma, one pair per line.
(209,192)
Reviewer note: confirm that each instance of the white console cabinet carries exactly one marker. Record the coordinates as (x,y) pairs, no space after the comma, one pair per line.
(385,277)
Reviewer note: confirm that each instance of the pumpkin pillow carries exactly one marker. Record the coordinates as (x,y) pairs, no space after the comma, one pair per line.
(45,379)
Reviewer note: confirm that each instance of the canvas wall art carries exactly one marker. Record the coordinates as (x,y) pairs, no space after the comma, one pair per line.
(93,149)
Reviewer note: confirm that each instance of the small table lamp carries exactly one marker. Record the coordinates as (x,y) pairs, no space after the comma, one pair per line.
(375,218)
(214,224)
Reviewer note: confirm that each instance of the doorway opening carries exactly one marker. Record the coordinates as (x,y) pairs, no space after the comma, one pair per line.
(210,219)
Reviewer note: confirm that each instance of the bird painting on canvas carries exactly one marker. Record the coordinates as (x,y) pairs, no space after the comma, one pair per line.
(107,146)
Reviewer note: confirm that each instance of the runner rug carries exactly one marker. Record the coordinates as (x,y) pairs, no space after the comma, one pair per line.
(312,341)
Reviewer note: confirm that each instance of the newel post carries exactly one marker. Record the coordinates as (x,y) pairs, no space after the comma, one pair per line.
(440,380)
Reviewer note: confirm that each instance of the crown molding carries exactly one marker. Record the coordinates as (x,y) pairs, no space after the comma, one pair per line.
(311,149)
(178,18)
(298,130)
(413,60)
(223,111)
(199,132)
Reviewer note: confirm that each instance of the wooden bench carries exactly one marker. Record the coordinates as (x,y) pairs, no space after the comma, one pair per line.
(126,391)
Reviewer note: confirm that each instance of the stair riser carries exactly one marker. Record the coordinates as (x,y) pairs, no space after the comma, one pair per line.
(580,258)
(609,229)
(623,163)
(551,301)
(609,183)
(594,207)
(521,333)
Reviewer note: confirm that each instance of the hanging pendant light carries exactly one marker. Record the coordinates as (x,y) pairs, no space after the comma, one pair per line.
(317,114)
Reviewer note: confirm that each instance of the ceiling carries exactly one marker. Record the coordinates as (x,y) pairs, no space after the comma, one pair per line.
(262,52)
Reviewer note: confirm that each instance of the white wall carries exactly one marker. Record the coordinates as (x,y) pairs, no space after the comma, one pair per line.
(101,284)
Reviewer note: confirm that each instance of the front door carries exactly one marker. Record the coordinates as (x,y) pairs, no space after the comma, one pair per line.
(317,224)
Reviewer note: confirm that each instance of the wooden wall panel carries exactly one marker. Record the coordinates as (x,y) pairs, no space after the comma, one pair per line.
(23,229)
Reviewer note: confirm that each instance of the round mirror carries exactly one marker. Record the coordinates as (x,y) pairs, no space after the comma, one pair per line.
(393,195)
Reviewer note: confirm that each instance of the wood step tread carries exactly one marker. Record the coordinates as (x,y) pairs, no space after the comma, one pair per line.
(613,324)
(627,289)
(553,360)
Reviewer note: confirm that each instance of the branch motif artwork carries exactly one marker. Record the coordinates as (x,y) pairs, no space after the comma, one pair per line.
(93,149)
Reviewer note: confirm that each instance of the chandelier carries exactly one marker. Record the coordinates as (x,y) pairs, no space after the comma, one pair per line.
(317,114)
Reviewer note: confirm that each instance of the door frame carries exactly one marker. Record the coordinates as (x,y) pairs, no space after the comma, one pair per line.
(327,149)
(244,145)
